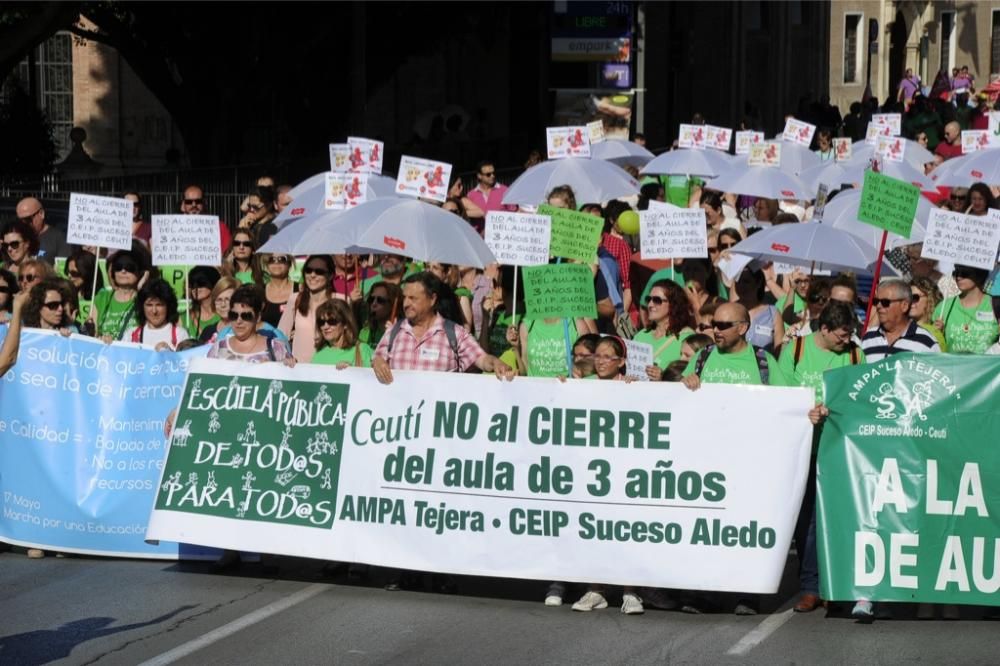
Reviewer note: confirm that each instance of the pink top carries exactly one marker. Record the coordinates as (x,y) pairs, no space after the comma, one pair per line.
(492,202)
(432,352)
(300,329)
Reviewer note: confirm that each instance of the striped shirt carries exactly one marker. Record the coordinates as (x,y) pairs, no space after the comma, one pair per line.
(876,346)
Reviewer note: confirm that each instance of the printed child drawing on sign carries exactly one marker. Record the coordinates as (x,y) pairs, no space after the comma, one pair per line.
(912,404)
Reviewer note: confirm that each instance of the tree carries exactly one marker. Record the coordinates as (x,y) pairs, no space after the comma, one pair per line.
(26,137)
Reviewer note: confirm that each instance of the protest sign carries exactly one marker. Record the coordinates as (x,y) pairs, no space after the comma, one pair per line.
(638,357)
(892,148)
(582,481)
(340,157)
(873,132)
(732,265)
(518,239)
(969,240)
(691,136)
(894,121)
(595,130)
(718,138)
(99,221)
(907,507)
(559,290)
(567,142)
(345,190)
(746,139)
(365,155)
(888,203)
(841,149)
(765,154)
(186,239)
(798,131)
(423,178)
(975,140)
(81,443)
(575,235)
(672,232)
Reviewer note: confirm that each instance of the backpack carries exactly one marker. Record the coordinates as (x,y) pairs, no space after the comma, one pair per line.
(800,349)
(449,330)
(759,353)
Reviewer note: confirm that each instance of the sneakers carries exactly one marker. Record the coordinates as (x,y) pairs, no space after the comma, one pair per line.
(655,598)
(862,612)
(591,601)
(554,597)
(631,604)
(35,554)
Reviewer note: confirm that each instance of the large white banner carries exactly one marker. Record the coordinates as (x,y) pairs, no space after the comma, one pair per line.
(589,481)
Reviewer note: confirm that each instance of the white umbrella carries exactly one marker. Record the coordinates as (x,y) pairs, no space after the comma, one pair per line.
(690,162)
(293,237)
(621,152)
(794,158)
(761,181)
(913,154)
(899,170)
(592,181)
(831,174)
(980,166)
(841,212)
(307,196)
(808,242)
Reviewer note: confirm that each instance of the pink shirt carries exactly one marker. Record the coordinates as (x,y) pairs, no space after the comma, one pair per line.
(432,352)
(492,202)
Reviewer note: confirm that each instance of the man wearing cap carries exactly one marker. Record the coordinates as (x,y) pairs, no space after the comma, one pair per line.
(51,241)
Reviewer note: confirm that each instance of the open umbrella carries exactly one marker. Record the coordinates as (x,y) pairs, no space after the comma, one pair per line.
(689,162)
(307,197)
(809,242)
(591,180)
(980,166)
(832,174)
(761,181)
(621,152)
(841,212)
(903,171)
(794,158)
(913,154)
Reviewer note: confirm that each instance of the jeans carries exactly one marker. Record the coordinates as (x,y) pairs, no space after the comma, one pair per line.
(805,536)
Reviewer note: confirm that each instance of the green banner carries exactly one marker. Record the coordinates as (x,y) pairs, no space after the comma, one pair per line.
(908,496)
(574,235)
(888,203)
(559,290)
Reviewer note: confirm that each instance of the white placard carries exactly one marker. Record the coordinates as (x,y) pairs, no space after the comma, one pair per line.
(994,129)
(518,239)
(638,356)
(875,131)
(747,138)
(691,136)
(186,240)
(595,130)
(340,157)
(365,154)
(668,233)
(765,154)
(798,131)
(718,137)
(99,221)
(969,240)
(567,142)
(892,148)
(894,121)
(345,190)
(975,140)
(784,269)
(422,178)
(842,149)
(733,264)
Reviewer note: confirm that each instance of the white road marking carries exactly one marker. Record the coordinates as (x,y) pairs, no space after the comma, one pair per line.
(236,625)
(759,634)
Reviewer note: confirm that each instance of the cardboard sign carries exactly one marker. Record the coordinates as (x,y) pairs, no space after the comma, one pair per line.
(559,290)
(875,131)
(798,131)
(668,233)
(186,239)
(340,157)
(345,190)
(975,140)
(422,178)
(365,155)
(892,148)
(765,154)
(969,240)
(518,239)
(692,136)
(99,221)
(638,357)
(842,149)
(718,137)
(894,121)
(746,139)
(888,203)
(567,142)
(574,235)
(595,130)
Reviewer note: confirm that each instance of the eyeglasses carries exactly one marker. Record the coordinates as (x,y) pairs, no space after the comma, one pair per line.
(961,273)
(886,302)
(52,305)
(193,202)
(802,281)
(381,300)
(601,358)
(656,300)
(488,174)
(278,259)
(237,243)
(323,321)
(915,297)
(726,325)
(222,301)
(704,327)
(313,270)
(27,278)
(247,316)
(255,207)
(713,250)
(958,197)
(727,246)
(12,245)
(75,274)
(583,357)
(28,218)
(126,267)
(818,299)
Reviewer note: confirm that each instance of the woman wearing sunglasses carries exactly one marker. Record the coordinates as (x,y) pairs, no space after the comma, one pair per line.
(18,243)
(239,262)
(967,320)
(113,312)
(671,321)
(80,269)
(925,297)
(298,321)
(247,343)
(201,311)
(8,289)
(385,304)
(337,337)
(279,287)
(44,308)
(156,312)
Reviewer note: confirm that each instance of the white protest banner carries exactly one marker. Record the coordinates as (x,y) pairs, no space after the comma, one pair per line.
(345,190)
(518,239)
(891,148)
(691,136)
(584,481)
(99,221)
(970,240)
(595,130)
(746,139)
(841,149)
(638,356)
(875,131)
(427,179)
(340,157)
(190,240)
(365,154)
(718,138)
(894,121)
(765,154)
(975,140)
(798,131)
(994,129)
(567,142)
(670,232)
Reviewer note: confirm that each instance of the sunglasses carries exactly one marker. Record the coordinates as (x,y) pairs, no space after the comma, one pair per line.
(488,174)
(915,297)
(237,243)
(960,274)
(656,300)
(726,325)
(27,278)
(12,245)
(278,259)
(201,285)
(313,270)
(713,250)
(27,218)
(381,300)
(323,321)
(126,267)
(255,207)
(193,202)
(247,316)
(75,274)
(957,197)
(818,298)
(52,305)
(886,302)
(727,246)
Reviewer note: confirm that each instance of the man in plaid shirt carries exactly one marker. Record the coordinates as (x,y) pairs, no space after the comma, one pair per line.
(422,343)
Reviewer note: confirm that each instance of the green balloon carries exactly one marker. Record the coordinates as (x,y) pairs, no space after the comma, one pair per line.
(628,223)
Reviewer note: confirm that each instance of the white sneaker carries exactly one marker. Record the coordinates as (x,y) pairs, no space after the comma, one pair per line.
(591,601)
(862,611)
(553,600)
(632,604)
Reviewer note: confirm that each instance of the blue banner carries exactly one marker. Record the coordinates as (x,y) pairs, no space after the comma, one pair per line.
(82,445)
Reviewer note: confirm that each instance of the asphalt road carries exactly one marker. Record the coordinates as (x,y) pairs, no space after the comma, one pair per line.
(102,611)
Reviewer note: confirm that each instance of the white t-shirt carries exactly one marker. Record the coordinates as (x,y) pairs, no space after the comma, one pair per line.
(154,336)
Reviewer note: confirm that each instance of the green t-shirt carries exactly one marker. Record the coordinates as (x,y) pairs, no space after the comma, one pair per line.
(967,329)
(546,353)
(245,277)
(113,317)
(736,368)
(798,306)
(678,189)
(335,355)
(663,274)
(195,328)
(812,364)
(84,312)
(938,335)
(667,349)
(498,335)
